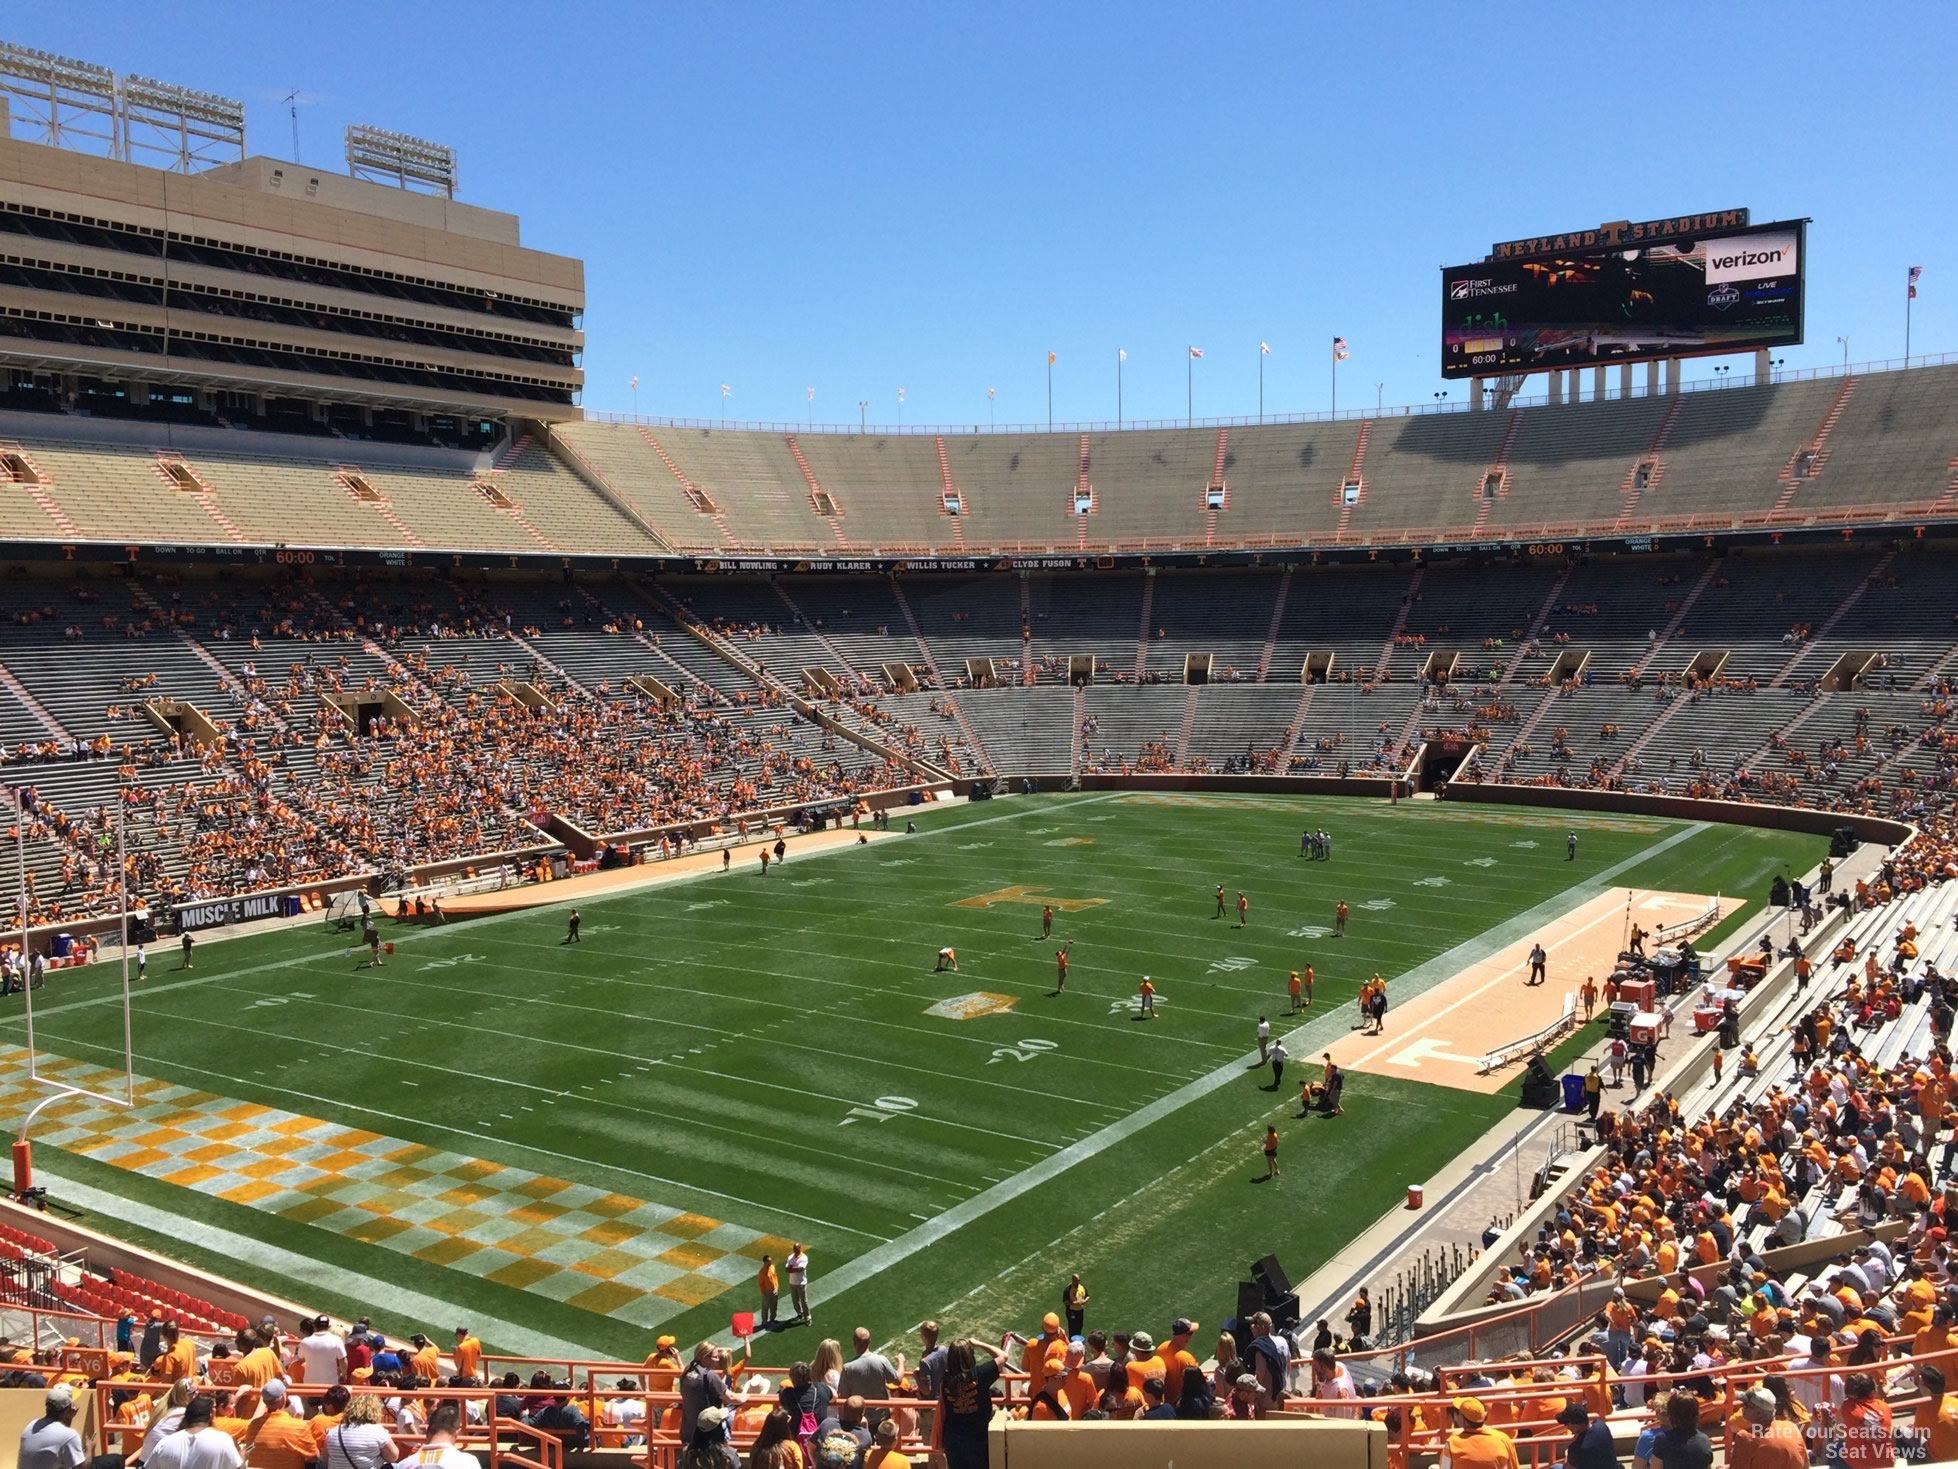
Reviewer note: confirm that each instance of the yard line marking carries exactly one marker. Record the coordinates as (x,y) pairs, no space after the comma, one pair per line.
(487,1137)
(422,935)
(875,1261)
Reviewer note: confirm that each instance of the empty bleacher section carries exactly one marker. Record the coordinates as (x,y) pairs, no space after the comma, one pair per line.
(1825,450)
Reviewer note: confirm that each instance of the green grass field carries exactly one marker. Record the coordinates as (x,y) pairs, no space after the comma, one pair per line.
(589,1141)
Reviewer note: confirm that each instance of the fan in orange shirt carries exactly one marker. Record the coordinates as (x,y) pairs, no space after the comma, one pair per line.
(468,1353)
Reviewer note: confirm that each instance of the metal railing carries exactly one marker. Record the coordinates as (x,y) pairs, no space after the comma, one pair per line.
(1408,410)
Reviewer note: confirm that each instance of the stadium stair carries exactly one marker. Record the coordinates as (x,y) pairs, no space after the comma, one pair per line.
(1082,486)
(817,495)
(1384,662)
(1948,501)
(202,495)
(1028,676)
(1270,648)
(37,489)
(696,493)
(543,660)
(1768,747)
(1183,730)
(1216,483)
(1485,503)
(945,697)
(343,473)
(1355,470)
(1817,448)
(948,488)
(1678,620)
(1822,633)
(1142,628)
(1075,740)
(1296,729)
(1538,624)
(849,673)
(1629,487)
(514,511)
(229,681)
(1941,668)
(582,465)
(34,706)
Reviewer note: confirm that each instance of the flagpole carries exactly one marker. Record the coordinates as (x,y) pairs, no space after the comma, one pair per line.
(1335,412)
(1119,355)
(1050,390)
(1910,298)
(1261,384)
(1189,389)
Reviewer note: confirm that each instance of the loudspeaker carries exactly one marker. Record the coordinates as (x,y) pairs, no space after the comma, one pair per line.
(1842,842)
(1271,1275)
(1250,1298)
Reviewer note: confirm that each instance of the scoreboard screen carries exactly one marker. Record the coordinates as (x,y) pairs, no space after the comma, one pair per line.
(1727,293)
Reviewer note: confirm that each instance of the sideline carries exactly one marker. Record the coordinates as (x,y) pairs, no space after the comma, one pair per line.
(1442,967)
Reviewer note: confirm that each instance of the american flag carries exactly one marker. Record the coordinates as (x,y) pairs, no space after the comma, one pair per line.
(1915,272)
(725,390)
(1196,352)
(1340,354)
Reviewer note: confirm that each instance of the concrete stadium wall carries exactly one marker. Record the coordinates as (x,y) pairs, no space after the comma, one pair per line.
(1324,1443)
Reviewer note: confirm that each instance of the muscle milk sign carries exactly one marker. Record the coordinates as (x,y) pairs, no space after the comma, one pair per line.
(1750,257)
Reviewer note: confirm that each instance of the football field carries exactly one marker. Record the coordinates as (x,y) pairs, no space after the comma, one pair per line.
(565,1146)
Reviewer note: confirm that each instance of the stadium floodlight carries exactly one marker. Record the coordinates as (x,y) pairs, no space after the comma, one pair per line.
(406,162)
(188,129)
(60,1089)
(60,101)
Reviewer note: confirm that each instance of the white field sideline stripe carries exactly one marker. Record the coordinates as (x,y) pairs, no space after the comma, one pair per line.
(884,1256)
(367,1289)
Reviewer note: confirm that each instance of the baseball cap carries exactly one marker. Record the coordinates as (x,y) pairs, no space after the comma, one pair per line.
(709,1420)
(1760,1400)
(1471,1409)
(1141,1341)
(1050,1322)
(273,1392)
(1248,1381)
(667,1341)
(1183,1326)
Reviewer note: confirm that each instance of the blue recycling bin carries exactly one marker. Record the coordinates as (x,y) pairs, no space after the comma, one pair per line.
(1573,1092)
(64,943)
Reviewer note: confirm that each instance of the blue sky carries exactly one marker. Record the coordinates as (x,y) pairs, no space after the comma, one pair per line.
(858,198)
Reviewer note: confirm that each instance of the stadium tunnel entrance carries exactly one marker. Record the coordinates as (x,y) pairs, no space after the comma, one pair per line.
(1440,759)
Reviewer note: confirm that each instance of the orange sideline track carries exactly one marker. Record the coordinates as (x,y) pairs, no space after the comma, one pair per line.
(1441,1035)
(620,879)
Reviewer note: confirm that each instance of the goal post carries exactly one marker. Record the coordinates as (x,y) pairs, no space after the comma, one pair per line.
(57,1088)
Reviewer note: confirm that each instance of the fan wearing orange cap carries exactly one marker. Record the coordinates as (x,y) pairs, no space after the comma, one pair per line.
(1045,1353)
(1473,1444)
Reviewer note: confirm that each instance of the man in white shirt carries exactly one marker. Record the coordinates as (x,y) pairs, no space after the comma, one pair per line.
(628,1414)
(50,1441)
(796,1267)
(438,1450)
(197,1445)
(321,1356)
(1330,1379)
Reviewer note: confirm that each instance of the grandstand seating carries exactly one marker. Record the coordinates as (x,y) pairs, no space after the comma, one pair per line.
(1882,443)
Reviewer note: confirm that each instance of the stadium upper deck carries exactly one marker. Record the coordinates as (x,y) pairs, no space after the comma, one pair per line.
(1863,449)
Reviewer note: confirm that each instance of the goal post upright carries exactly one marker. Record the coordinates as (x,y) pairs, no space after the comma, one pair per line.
(57,1090)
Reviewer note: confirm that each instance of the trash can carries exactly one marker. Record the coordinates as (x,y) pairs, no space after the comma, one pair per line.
(63,942)
(1414,1196)
(1573,1092)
